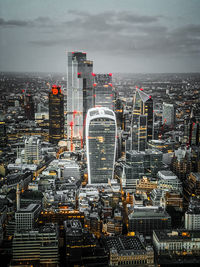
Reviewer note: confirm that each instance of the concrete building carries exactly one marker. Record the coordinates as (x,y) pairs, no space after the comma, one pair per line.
(128,251)
(36,248)
(25,218)
(168,181)
(192,215)
(148,218)
(176,242)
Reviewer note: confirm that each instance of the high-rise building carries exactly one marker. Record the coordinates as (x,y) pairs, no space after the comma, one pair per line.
(181,163)
(168,117)
(101,131)
(3,135)
(139,164)
(25,218)
(32,150)
(142,120)
(36,248)
(191,131)
(29,107)
(103,91)
(56,114)
(79,91)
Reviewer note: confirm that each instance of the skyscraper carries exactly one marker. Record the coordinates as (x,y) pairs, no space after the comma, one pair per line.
(191,130)
(32,150)
(101,131)
(142,120)
(29,107)
(103,91)
(168,116)
(56,114)
(3,135)
(79,91)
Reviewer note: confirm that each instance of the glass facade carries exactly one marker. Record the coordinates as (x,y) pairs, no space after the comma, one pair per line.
(168,116)
(142,120)
(103,96)
(79,91)
(101,144)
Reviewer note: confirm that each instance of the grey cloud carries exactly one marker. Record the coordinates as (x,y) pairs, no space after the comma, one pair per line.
(17,23)
(40,21)
(136,18)
(122,32)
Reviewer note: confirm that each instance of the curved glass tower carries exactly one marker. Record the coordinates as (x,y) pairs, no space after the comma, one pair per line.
(101,131)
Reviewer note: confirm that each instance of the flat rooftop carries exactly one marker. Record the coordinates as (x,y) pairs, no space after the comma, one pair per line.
(176,235)
(125,244)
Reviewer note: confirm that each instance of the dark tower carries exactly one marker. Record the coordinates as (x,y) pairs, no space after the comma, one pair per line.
(56,114)
(3,135)
(29,107)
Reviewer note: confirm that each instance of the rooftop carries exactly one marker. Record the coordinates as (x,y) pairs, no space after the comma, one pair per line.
(30,208)
(176,235)
(125,244)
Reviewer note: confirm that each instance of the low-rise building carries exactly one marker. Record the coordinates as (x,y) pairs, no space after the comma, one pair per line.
(128,250)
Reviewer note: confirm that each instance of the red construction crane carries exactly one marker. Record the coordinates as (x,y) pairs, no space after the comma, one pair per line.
(71,126)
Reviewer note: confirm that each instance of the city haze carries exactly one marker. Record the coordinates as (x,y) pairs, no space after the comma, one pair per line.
(120,36)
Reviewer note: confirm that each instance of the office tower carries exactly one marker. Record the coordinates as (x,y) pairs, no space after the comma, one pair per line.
(79,92)
(119,111)
(82,248)
(101,131)
(142,120)
(25,218)
(145,219)
(181,163)
(191,131)
(29,107)
(3,135)
(191,186)
(56,114)
(103,91)
(32,150)
(140,163)
(168,117)
(36,248)
(168,181)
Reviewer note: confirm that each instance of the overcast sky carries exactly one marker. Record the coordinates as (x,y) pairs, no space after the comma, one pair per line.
(119,35)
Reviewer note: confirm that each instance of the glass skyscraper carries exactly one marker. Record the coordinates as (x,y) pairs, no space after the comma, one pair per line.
(168,116)
(101,131)
(103,91)
(79,91)
(142,120)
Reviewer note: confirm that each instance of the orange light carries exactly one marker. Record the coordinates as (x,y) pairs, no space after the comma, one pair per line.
(54,91)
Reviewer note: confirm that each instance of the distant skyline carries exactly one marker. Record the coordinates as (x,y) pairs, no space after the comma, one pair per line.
(133,36)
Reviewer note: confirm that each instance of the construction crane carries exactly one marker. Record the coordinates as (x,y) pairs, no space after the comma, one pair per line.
(71,142)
